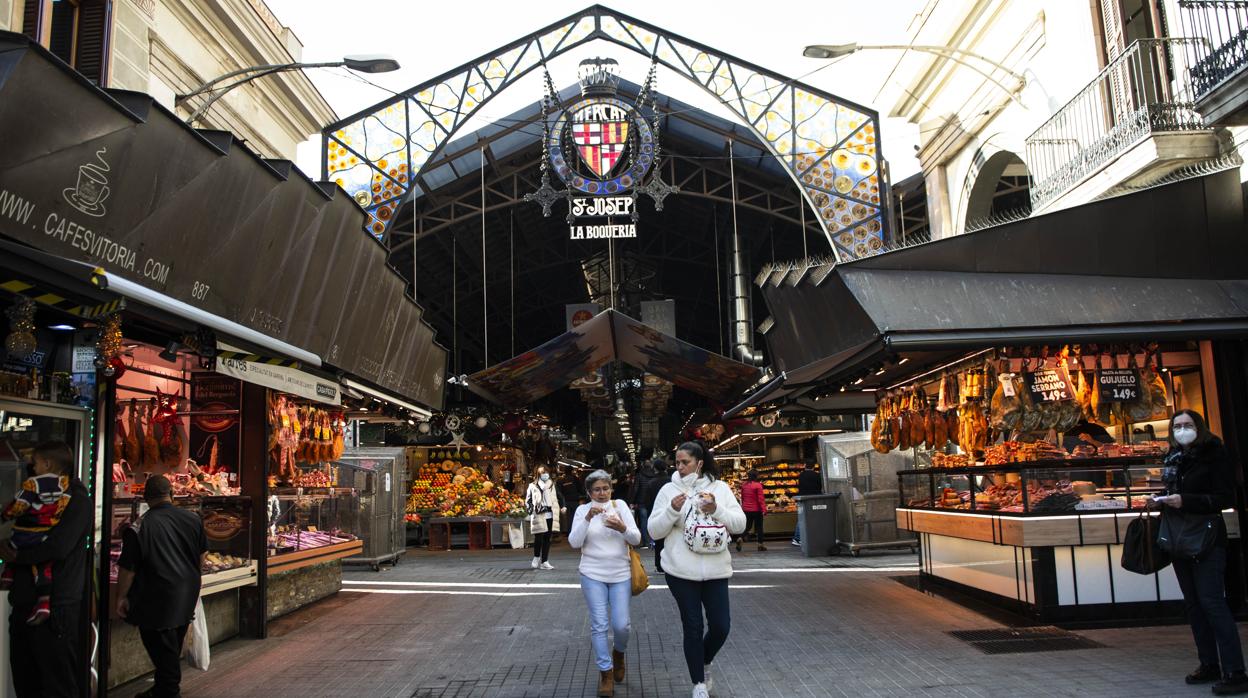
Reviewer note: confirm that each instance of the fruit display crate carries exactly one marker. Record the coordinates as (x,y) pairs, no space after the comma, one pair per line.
(472,532)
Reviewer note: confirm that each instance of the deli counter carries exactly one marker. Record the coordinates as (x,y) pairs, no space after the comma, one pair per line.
(1041,538)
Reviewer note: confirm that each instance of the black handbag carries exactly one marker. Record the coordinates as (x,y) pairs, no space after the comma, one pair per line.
(1187,536)
(1140,553)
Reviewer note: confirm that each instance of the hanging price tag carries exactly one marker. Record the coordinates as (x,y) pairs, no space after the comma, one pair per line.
(1118,384)
(1007,384)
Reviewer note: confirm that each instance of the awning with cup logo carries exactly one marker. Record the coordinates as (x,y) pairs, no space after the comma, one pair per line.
(114,180)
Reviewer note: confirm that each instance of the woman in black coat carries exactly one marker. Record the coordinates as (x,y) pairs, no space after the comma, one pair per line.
(1200,481)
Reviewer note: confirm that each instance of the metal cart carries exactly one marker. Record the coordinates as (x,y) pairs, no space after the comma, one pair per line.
(867,483)
(379,475)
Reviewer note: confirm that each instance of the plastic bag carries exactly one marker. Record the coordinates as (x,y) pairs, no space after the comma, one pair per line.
(515,535)
(198,655)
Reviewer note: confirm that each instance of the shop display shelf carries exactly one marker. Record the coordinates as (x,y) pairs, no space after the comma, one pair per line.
(285,562)
(230,579)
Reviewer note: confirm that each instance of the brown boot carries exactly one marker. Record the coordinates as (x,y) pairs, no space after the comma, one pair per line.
(606,684)
(617,660)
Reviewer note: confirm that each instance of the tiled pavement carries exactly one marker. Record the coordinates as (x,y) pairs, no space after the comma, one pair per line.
(459,624)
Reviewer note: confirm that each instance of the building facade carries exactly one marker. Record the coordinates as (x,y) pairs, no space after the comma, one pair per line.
(1029,107)
(168,47)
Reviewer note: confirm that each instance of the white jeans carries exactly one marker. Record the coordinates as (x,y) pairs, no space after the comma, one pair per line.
(598,597)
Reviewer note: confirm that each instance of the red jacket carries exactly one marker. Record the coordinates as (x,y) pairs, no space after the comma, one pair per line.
(752,498)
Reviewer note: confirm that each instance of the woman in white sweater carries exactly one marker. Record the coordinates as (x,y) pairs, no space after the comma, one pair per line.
(696,514)
(602,530)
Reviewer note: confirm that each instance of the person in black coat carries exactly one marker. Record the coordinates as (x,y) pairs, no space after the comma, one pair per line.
(1200,481)
(662,474)
(45,659)
(641,496)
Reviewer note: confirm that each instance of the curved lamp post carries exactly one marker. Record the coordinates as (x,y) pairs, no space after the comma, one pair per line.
(377,63)
(953,54)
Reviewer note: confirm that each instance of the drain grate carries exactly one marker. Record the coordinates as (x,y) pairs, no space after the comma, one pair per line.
(1043,638)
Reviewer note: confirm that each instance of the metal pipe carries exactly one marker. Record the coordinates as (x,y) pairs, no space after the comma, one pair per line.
(740,307)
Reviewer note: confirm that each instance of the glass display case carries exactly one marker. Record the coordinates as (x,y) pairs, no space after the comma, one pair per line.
(1035,488)
(227,525)
(302,519)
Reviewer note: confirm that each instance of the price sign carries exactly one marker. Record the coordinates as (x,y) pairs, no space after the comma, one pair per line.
(1118,384)
(1050,385)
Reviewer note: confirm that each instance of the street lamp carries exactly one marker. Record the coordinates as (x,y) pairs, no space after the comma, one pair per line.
(373,63)
(838,50)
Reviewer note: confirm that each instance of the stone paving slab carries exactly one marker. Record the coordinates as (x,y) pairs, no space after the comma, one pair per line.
(482,624)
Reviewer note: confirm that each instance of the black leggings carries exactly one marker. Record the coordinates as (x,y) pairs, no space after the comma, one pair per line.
(691,598)
(541,545)
(753,519)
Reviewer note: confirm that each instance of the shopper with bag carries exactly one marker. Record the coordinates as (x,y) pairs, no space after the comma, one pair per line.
(544,502)
(603,530)
(158,584)
(1200,483)
(695,515)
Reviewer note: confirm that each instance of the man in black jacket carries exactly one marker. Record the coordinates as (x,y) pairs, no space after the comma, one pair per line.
(158,584)
(808,482)
(45,659)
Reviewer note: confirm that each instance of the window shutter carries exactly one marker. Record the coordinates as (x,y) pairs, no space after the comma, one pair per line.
(95,24)
(32,19)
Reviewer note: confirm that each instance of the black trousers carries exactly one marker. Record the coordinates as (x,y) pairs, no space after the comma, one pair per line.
(164,647)
(1204,597)
(44,658)
(541,545)
(658,554)
(691,598)
(753,519)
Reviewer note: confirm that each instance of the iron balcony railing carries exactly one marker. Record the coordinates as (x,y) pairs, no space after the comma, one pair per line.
(1223,26)
(1137,94)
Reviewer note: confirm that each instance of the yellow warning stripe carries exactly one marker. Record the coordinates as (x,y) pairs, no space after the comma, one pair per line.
(53,300)
(257,359)
(101,310)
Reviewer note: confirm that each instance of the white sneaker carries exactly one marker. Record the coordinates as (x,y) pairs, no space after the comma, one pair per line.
(796,543)
(706,677)
(701,691)
(536,560)
(547,566)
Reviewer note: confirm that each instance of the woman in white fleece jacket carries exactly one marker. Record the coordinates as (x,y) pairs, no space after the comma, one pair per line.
(602,530)
(697,579)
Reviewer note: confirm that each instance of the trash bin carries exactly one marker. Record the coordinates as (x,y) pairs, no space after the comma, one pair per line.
(816,516)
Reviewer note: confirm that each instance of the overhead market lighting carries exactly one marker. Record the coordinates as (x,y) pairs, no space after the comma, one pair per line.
(62,328)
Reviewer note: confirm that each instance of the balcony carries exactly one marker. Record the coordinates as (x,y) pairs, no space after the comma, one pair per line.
(1133,124)
(1219,63)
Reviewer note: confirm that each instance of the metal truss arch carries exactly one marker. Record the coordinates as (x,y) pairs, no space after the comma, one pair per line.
(829,146)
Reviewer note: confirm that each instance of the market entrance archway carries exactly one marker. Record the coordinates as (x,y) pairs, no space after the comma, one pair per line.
(828,146)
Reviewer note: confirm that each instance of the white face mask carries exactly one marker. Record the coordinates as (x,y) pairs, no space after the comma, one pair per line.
(545,477)
(1183,434)
(687,480)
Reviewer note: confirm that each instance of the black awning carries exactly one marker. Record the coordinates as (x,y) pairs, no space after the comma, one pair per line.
(1113,271)
(116,181)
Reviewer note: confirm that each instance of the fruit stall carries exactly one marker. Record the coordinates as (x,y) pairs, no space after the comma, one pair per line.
(460,506)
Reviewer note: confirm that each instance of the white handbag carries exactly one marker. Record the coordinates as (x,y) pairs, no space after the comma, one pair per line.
(703,534)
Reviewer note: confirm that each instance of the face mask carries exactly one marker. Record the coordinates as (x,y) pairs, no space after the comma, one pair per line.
(545,477)
(1184,435)
(687,480)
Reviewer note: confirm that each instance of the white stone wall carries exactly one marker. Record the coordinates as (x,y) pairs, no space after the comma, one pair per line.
(964,120)
(168,47)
